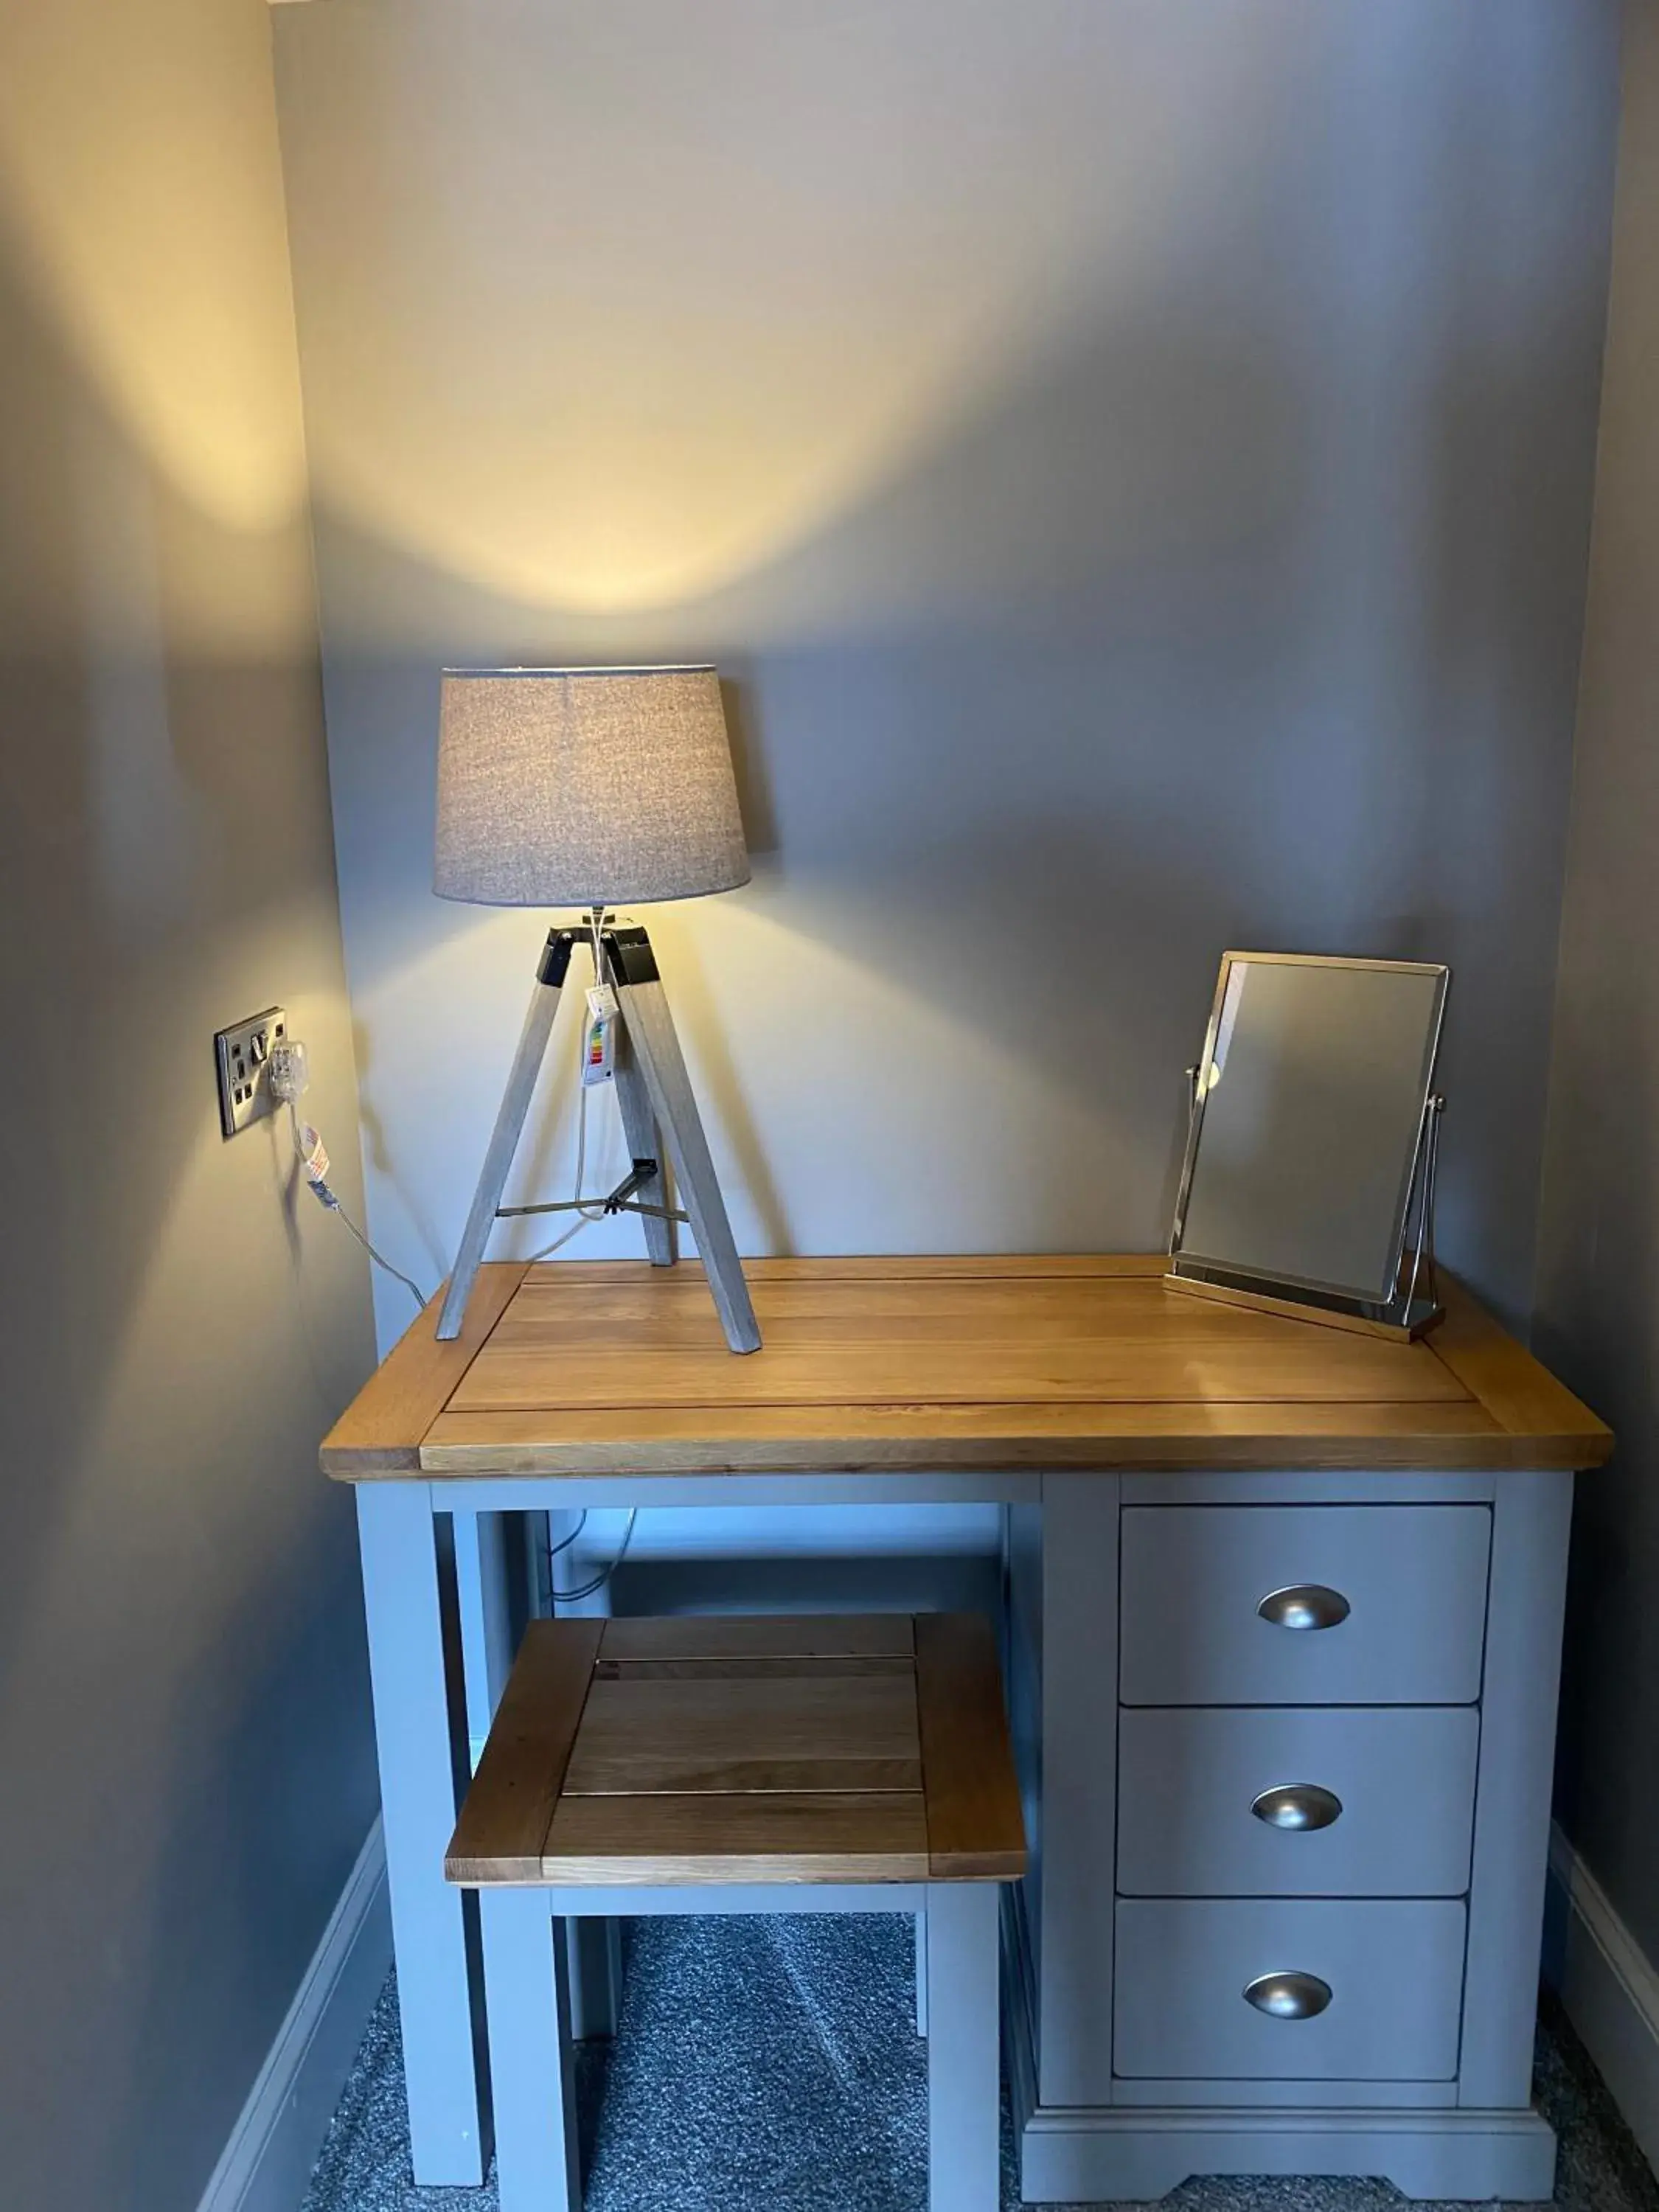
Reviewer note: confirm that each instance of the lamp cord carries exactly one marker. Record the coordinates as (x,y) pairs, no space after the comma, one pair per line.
(586,1214)
(308,1156)
(598,1582)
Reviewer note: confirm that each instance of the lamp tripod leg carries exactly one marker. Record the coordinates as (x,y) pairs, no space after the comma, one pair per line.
(656,1046)
(509,1127)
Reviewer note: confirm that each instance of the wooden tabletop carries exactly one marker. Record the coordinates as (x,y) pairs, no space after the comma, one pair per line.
(949,1364)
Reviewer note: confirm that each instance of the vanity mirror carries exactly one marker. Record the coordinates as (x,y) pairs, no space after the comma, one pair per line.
(1308,1174)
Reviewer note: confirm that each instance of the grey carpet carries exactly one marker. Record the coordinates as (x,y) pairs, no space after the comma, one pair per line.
(771,2065)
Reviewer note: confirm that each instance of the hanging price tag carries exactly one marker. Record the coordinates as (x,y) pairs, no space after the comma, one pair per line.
(314,1154)
(600,1036)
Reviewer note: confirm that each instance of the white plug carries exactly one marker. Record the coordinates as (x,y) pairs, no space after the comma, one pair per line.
(288,1071)
(289,1076)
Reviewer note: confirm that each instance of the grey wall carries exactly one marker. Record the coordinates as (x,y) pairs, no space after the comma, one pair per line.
(184,1725)
(1133,465)
(1599,1257)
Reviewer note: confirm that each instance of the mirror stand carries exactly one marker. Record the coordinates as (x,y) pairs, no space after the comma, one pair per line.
(1415,1306)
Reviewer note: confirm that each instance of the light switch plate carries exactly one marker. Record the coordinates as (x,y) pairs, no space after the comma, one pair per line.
(244,1058)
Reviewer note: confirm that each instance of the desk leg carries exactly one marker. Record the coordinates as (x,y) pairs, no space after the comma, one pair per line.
(486,1610)
(1079,1787)
(417,1759)
(1532,1523)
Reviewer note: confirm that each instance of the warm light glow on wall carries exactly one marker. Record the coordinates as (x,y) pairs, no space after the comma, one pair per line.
(654,450)
(117,131)
(748,266)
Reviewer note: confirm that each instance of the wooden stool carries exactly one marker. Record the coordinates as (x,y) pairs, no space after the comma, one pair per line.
(811,1764)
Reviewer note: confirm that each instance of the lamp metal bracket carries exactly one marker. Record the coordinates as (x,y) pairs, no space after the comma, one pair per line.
(620,1200)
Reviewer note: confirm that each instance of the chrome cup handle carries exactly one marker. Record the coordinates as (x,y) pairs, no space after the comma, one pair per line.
(1297,1806)
(1288,1996)
(1304,1605)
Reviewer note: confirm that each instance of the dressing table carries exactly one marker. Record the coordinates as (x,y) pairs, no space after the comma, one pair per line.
(1283,1622)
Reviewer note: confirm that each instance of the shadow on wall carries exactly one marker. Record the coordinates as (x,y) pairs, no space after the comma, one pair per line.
(1595,1328)
(181,1668)
(1599,1236)
(1239,606)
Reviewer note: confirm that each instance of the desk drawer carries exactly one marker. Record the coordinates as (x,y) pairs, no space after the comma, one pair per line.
(1384,1980)
(1403,1588)
(1393,1815)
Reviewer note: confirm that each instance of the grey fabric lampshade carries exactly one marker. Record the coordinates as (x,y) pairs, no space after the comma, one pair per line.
(585,786)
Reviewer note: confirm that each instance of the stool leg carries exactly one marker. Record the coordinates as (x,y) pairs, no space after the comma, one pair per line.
(595,1945)
(531,2077)
(963,2042)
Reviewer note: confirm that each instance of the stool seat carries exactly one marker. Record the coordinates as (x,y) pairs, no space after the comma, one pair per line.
(824,1749)
(849,1764)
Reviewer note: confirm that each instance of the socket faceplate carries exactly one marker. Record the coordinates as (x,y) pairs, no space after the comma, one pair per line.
(242,1053)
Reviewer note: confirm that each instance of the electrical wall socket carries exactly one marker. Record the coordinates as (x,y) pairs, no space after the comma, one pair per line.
(244,1054)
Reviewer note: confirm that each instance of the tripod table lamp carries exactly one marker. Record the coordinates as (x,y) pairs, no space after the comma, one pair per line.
(595,788)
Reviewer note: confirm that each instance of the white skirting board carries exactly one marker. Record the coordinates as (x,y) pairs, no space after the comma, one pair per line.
(1609,1990)
(265,2165)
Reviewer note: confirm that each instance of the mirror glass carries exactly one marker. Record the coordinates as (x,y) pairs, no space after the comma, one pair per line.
(1305,1126)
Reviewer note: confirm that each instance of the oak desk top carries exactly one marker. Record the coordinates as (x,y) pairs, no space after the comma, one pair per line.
(1066,1361)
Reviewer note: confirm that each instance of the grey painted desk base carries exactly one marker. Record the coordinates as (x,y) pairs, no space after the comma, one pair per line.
(440,1649)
